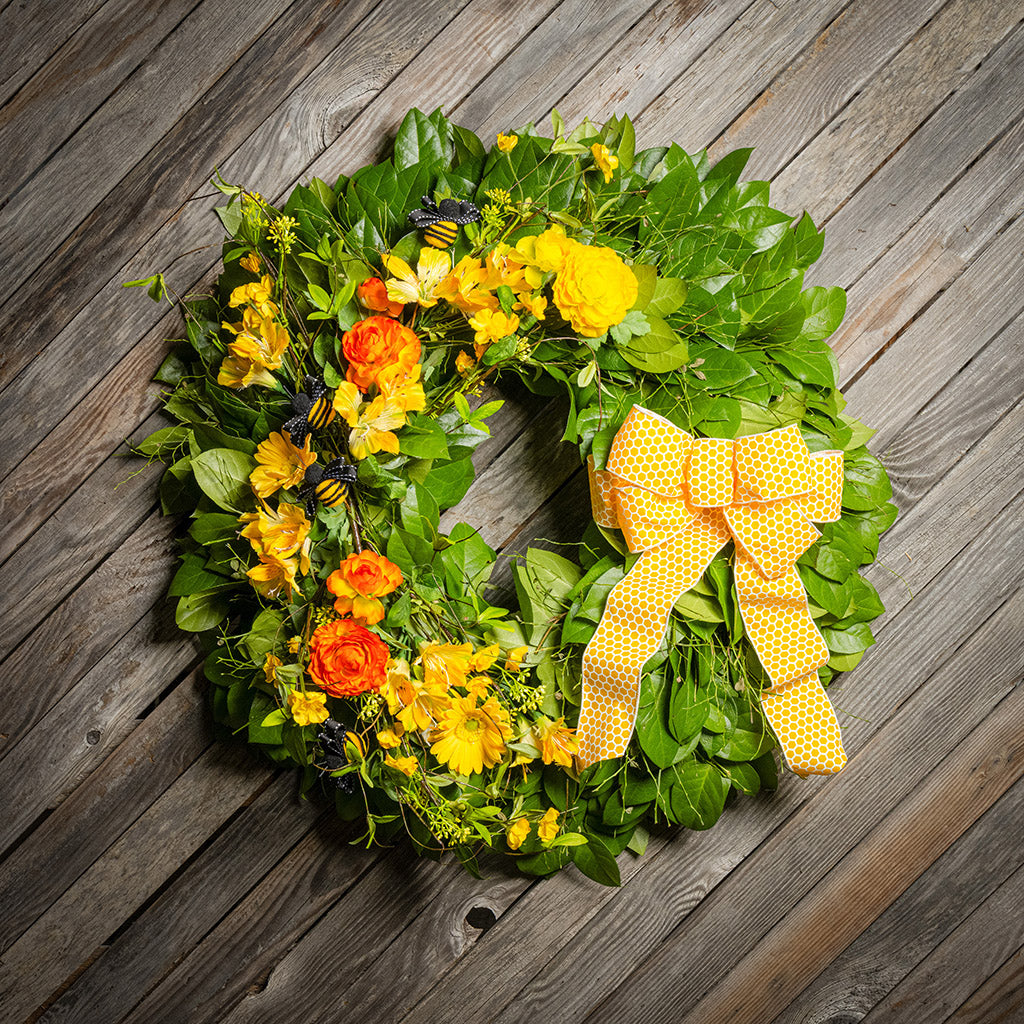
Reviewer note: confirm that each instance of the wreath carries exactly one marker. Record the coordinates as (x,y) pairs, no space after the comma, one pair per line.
(327,404)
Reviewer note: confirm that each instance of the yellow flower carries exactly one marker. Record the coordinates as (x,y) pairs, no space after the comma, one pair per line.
(257,294)
(372,425)
(308,708)
(516,833)
(557,743)
(416,705)
(250,262)
(464,363)
(295,645)
(404,285)
(389,738)
(445,665)
(506,266)
(281,464)
(240,373)
(484,658)
(514,660)
(274,577)
(468,287)
(546,251)
(402,387)
(270,666)
(279,533)
(492,326)
(407,765)
(478,686)
(506,143)
(605,160)
(469,738)
(594,289)
(535,305)
(547,827)
(258,348)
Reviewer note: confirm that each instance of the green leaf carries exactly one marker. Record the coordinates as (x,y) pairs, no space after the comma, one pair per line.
(722,369)
(810,361)
(193,576)
(214,528)
(198,612)
(824,309)
(449,482)
(855,638)
(865,484)
(652,720)
(417,140)
(698,794)
(223,475)
(659,351)
(423,439)
(669,294)
(266,634)
(689,710)
(595,860)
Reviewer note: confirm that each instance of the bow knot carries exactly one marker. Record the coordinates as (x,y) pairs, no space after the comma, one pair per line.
(679,500)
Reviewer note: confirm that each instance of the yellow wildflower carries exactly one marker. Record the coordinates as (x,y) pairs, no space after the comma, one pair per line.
(445,665)
(389,738)
(281,464)
(308,708)
(605,160)
(514,660)
(402,386)
(407,765)
(469,738)
(270,666)
(421,286)
(256,294)
(250,262)
(506,266)
(516,833)
(491,326)
(279,533)
(547,827)
(557,743)
(416,705)
(274,577)
(477,686)
(258,348)
(534,305)
(295,645)
(464,364)
(282,233)
(506,143)
(483,659)
(468,287)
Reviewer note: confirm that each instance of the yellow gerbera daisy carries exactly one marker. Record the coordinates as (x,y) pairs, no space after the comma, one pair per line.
(469,738)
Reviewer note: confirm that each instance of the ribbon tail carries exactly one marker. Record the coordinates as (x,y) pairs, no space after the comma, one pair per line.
(632,629)
(790,647)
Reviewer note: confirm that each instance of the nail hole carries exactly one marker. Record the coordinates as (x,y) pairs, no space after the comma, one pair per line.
(481,918)
(92,737)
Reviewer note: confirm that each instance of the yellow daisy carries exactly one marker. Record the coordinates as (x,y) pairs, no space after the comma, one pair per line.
(469,738)
(280,464)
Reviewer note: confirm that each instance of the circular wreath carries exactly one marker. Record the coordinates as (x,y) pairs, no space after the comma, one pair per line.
(325,416)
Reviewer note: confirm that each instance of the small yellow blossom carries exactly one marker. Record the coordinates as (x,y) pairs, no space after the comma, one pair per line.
(295,645)
(417,705)
(547,827)
(308,708)
(445,664)
(250,262)
(514,660)
(477,686)
(483,659)
(279,533)
(469,287)
(274,577)
(490,326)
(389,738)
(464,364)
(270,666)
(256,294)
(556,742)
(407,765)
(546,251)
(534,305)
(506,143)
(282,233)
(516,833)
(605,160)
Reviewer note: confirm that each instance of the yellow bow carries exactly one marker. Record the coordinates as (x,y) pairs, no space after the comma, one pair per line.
(679,500)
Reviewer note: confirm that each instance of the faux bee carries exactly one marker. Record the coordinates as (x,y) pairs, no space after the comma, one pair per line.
(329,485)
(312,409)
(441,221)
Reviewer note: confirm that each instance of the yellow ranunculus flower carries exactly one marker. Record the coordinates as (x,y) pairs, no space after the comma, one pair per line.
(546,251)
(605,160)
(506,143)
(547,828)
(308,708)
(594,289)
(516,833)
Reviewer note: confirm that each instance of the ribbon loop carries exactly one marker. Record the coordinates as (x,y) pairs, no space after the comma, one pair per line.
(680,500)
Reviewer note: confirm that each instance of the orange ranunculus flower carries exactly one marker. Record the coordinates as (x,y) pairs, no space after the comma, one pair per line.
(346,659)
(359,582)
(376,343)
(594,289)
(373,295)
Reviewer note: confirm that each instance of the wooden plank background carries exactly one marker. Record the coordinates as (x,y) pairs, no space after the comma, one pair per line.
(151,874)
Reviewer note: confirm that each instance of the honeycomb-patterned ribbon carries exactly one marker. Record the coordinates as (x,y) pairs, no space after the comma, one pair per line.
(679,500)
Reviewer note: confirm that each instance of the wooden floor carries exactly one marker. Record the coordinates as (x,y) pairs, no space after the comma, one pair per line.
(150,874)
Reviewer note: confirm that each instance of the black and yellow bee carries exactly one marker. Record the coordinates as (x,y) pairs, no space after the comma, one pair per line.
(441,220)
(328,484)
(312,409)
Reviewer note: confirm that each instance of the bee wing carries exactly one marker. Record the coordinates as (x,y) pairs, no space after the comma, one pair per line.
(424,218)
